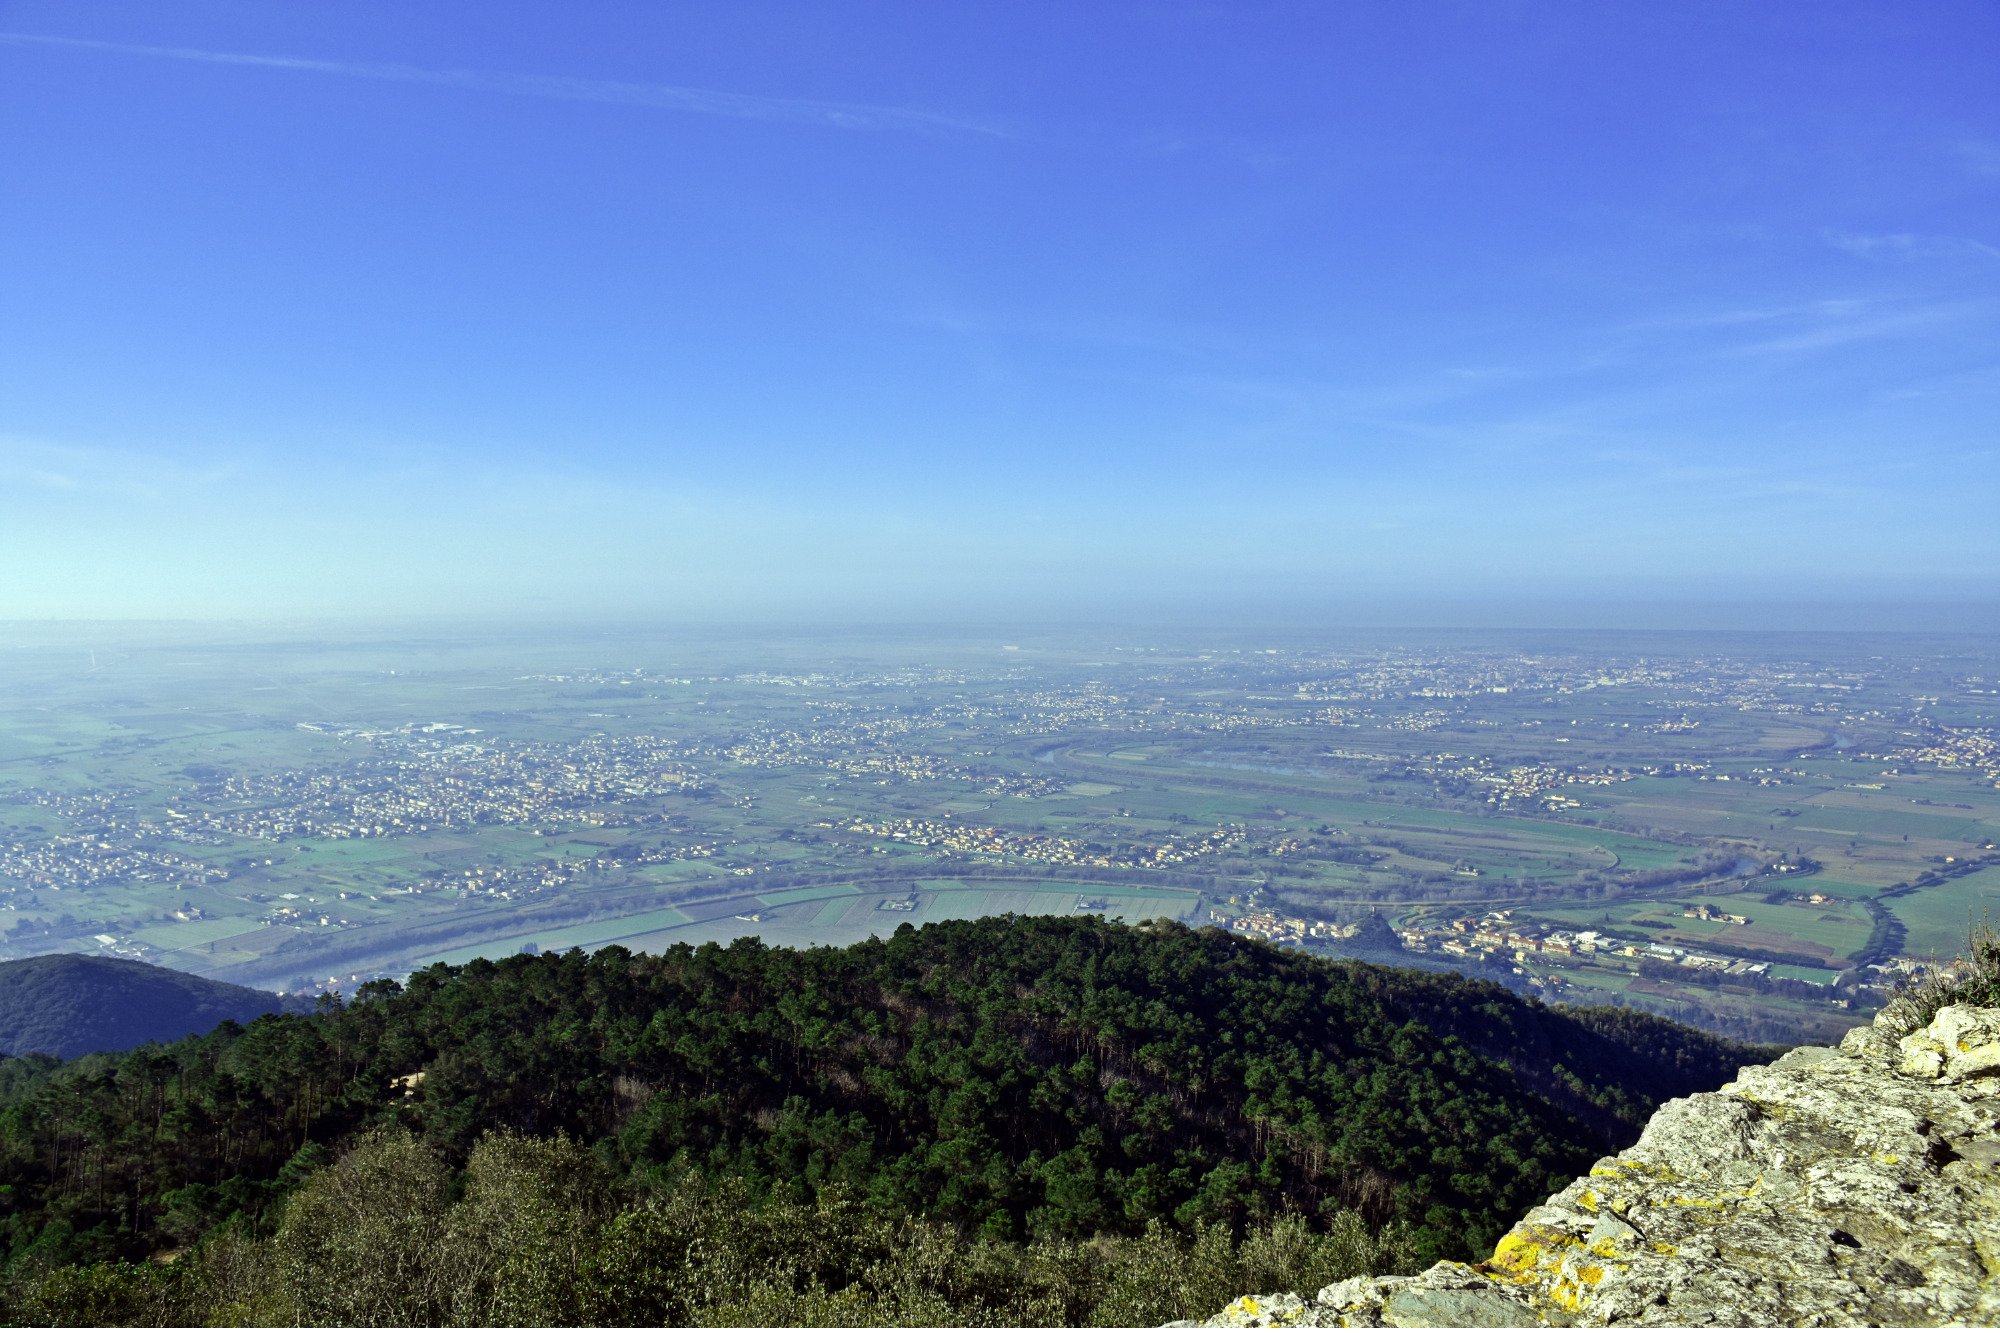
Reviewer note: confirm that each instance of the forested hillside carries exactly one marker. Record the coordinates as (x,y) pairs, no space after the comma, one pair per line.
(1009,1082)
(69,1004)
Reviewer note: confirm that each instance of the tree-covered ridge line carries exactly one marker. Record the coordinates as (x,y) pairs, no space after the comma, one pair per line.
(1015,1079)
(72,1004)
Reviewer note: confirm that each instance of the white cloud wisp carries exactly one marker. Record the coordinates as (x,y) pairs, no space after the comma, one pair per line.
(659,96)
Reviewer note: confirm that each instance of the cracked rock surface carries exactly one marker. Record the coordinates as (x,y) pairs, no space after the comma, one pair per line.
(1848,1185)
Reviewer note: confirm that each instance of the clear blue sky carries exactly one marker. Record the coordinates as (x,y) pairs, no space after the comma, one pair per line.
(936,309)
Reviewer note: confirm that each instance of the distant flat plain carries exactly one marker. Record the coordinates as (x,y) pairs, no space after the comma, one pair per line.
(298,810)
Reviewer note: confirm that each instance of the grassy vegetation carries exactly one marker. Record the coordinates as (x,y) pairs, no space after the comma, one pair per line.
(1976,979)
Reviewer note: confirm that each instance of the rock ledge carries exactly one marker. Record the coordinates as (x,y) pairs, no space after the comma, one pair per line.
(1840,1186)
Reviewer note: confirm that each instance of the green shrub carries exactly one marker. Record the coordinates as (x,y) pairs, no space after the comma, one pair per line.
(1975,979)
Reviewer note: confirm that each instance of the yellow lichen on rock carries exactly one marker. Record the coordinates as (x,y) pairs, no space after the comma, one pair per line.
(1282,1311)
(1516,1257)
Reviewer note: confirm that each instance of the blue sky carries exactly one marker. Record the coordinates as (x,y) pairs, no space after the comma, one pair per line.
(890,310)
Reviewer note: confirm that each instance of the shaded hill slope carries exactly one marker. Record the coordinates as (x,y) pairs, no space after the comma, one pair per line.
(1013,1077)
(1839,1186)
(69,1004)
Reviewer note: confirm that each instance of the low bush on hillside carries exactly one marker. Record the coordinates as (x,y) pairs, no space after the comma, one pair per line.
(1975,979)
(533,1233)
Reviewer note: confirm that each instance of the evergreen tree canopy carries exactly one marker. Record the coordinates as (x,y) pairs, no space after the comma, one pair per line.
(1013,1079)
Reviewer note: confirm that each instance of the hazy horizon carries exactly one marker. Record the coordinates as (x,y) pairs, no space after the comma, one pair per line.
(1668,620)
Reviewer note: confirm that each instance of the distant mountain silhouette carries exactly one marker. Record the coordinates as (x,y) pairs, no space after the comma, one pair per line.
(69,1004)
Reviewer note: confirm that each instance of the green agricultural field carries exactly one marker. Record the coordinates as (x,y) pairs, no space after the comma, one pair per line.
(1333,875)
(188,934)
(1883,815)
(816,894)
(1938,917)
(1831,931)
(1202,806)
(340,855)
(1837,929)
(831,912)
(1498,844)
(1820,883)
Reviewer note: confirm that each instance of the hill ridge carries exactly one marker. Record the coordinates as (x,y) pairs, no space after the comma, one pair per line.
(71,1004)
(1013,1077)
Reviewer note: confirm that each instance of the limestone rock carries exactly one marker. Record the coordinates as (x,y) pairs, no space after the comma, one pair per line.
(1286,1311)
(1848,1185)
(1920,1055)
(1970,1038)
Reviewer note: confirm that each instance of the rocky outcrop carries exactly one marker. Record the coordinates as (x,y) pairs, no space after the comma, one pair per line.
(1848,1185)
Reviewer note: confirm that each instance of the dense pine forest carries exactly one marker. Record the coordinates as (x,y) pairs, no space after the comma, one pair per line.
(1010,1120)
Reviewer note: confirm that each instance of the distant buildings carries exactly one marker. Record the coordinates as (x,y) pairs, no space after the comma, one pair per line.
(1704,912)
(1494,936)
(1281,929)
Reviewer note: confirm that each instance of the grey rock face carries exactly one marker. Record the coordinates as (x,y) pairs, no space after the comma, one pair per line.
(1839,1186)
